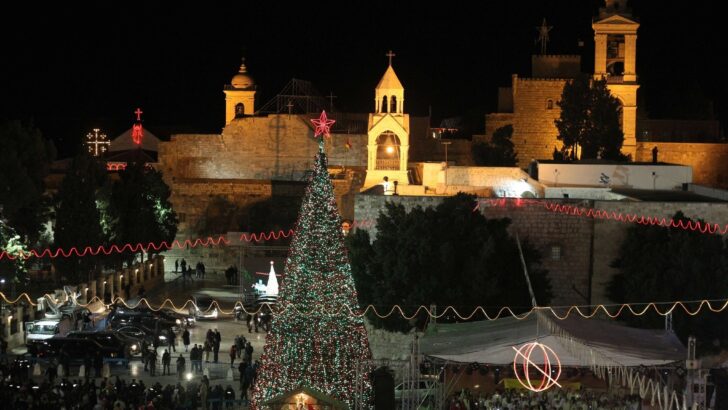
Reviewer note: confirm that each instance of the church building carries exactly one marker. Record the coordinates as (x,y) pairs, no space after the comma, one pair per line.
(530,104)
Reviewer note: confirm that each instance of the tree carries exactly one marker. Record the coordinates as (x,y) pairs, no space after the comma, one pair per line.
(321,351)
(140,208)
(499,151)
(658,264)
(448,255)
(590,120)
(12,265)
(25,159)
(78,218)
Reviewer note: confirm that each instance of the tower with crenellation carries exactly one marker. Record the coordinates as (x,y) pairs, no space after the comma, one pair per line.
(530,104)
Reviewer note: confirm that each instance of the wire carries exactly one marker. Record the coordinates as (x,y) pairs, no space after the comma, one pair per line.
(156,247)
(590,212)
(585,311)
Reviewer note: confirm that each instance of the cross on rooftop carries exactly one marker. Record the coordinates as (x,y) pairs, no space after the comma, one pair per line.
(390,54)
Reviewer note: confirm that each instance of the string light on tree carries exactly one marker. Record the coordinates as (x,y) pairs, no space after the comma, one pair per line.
(97,142)
(321,351)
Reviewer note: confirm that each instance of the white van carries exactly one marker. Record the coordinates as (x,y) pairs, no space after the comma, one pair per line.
(46,329)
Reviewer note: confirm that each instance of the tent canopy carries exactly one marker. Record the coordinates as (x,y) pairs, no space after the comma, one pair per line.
(577,342)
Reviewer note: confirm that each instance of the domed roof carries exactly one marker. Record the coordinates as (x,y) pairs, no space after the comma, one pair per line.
(242,79)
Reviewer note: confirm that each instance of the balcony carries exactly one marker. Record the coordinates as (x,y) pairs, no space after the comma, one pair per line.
(387,164)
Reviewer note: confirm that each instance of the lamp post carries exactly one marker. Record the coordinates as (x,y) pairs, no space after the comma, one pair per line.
(445,143)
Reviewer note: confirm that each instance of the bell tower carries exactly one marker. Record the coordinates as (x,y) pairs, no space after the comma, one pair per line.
(239,95)
(388,130)
(615,56)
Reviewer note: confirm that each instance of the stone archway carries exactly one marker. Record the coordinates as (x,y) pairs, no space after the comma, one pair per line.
(388,151)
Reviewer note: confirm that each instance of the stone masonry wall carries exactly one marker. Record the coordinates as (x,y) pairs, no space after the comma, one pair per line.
(708,160)
(608,234)
(569,273)
(534,132)
(572,234)
(279,147)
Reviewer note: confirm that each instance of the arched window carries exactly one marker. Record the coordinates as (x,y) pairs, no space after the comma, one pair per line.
(393,104)
(384,104)
(549,104)
(239,110)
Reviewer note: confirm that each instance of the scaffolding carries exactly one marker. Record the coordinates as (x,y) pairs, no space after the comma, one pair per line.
(297,97)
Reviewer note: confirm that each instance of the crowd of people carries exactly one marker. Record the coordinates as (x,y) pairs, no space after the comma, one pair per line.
(559,399)
(106,394)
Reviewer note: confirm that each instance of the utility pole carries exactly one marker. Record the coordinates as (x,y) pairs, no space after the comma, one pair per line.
(445,143)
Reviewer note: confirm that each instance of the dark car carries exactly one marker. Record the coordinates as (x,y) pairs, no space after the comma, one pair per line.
(143,333)
(148,318)
(111,339)
(77,349)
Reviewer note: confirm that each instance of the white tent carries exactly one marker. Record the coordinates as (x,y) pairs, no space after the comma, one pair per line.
(577,342)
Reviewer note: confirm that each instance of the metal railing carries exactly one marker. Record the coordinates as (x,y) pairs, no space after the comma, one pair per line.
(387,164)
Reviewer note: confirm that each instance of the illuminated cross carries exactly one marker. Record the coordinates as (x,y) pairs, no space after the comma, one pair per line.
(290,107)
(97,143)
(331,101)
(139,113)
(390,54)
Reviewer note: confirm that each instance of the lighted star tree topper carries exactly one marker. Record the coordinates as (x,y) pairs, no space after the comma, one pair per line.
(319,351)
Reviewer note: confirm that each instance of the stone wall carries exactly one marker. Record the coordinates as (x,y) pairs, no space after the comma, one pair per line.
(584,244)
(278,147)
(708,160)
(608,234)
(534,132)
(569,271)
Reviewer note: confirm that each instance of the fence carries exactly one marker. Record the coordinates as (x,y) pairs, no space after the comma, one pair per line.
(129,280)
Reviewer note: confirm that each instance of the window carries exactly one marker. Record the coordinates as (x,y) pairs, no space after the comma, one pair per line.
(549,104)
(239,110)
(555,252)
(393,104)
(384,104)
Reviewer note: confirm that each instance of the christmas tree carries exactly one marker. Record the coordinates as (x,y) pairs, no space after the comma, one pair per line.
(315,341)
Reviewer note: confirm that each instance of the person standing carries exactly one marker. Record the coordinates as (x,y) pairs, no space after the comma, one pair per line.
(153,362)
(176,265)
(207,348)
(166,361)
(217,338)
(180,366)
(173,341)
(233,355)
(248,352)
(186,338)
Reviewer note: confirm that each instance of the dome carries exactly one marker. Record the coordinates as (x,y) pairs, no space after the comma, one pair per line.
(242,79)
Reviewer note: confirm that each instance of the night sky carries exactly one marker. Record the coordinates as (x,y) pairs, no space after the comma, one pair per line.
(72,68)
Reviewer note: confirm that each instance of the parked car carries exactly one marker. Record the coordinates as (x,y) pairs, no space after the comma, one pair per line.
(145,334)
(77,349)
(144,314)
(131,346)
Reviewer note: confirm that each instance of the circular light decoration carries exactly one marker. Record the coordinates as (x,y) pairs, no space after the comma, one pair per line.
(549,371)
